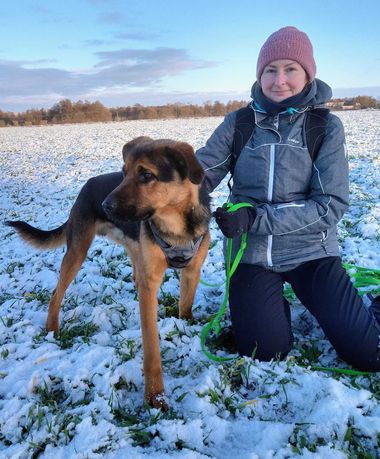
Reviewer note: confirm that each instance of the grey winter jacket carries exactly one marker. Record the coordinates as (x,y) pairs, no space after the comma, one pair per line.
(299,203)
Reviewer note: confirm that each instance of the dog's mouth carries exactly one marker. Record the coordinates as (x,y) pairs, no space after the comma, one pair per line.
(137,217)
(126,213)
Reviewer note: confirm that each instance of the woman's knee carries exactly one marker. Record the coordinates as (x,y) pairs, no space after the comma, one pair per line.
(259,313)
(363,359)
(264,348)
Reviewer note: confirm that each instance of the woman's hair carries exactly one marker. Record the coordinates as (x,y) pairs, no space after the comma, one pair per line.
(287,43)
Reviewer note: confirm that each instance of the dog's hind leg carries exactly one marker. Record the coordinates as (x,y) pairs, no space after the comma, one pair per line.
(190,278)
(80,237)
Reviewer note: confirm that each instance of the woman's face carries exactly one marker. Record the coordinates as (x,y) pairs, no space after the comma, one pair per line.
(282,79)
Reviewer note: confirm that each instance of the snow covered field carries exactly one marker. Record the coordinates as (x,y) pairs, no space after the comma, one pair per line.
(81,396)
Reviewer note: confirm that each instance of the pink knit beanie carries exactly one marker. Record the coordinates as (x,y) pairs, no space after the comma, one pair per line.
(287,43)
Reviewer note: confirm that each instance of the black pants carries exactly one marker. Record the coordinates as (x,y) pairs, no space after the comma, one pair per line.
(261,316)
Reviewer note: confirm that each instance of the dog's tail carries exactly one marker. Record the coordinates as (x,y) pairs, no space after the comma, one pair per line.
(38,238)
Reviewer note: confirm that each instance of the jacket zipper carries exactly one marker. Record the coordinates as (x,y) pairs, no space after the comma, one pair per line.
(270,184)
(270,198)
(271,173)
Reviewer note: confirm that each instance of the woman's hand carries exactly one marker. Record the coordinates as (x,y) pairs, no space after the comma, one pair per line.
(233,224)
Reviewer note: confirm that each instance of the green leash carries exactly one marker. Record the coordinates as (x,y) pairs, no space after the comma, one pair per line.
(363,277)
(214,324)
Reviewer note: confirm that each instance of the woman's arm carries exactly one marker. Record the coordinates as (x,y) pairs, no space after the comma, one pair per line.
(216,154)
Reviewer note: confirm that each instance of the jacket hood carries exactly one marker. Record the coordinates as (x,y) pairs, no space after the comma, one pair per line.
(316,93)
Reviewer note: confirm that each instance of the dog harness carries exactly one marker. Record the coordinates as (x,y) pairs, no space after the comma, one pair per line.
(177,256)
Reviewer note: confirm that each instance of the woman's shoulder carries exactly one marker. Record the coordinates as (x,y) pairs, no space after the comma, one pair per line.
(231,117)
(334,122)
(228,123)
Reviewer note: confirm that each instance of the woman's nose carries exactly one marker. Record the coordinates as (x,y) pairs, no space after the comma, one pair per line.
(280,78)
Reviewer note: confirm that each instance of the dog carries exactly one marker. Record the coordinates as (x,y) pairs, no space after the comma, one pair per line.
(158,208)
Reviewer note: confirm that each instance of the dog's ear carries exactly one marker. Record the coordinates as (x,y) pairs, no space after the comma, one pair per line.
(187,163)
(128,147)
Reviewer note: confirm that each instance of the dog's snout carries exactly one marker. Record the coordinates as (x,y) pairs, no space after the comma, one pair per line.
(109,205)
(130,211)
(114,209)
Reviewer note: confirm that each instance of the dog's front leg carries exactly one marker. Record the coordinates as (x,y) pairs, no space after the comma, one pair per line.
(148,290)
(190,278)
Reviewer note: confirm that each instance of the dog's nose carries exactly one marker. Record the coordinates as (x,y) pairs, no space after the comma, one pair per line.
(109,205)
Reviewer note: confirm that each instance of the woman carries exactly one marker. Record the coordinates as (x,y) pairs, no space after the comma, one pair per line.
(292,234)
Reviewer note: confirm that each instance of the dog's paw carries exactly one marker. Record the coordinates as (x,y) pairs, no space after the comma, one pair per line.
(158,401)
(52,325)
(188,315)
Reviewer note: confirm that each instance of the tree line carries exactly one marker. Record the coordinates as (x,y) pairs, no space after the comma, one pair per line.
(354,103)
(66,111)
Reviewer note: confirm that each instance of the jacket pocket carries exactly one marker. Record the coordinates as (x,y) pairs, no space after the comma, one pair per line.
(290,204)
(324,242)
(294,247)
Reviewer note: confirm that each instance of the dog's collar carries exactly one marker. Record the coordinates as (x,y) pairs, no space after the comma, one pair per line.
(176,256)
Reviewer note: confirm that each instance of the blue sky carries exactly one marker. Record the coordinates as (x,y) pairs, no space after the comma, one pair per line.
(123,52)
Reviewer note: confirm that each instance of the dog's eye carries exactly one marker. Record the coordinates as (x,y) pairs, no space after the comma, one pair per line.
(146,177)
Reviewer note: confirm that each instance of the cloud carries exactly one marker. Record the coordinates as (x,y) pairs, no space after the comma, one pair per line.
(111,18)
(124,68)
(36,7)
(95,42)
(32,63)
(163,59)
(158,97)
(138,36)
(16,79)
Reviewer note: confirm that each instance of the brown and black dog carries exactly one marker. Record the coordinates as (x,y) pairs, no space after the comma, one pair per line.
(158,208)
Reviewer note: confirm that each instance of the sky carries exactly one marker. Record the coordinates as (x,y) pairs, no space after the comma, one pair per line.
(152,52)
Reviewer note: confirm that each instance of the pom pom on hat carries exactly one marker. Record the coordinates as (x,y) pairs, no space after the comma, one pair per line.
(287,43)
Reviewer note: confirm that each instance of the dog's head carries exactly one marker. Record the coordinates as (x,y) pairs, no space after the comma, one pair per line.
(158,174)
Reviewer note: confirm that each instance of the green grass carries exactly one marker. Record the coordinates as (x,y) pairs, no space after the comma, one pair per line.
(12,266)
(50,412)
(7,321)
(309,353)
(126,349)
(112,270)
(43,296)
(69,334)
(299,440)
(51,397)
(169,303)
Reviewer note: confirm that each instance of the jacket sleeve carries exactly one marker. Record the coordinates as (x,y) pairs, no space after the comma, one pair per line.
(215,156)
(328,197)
